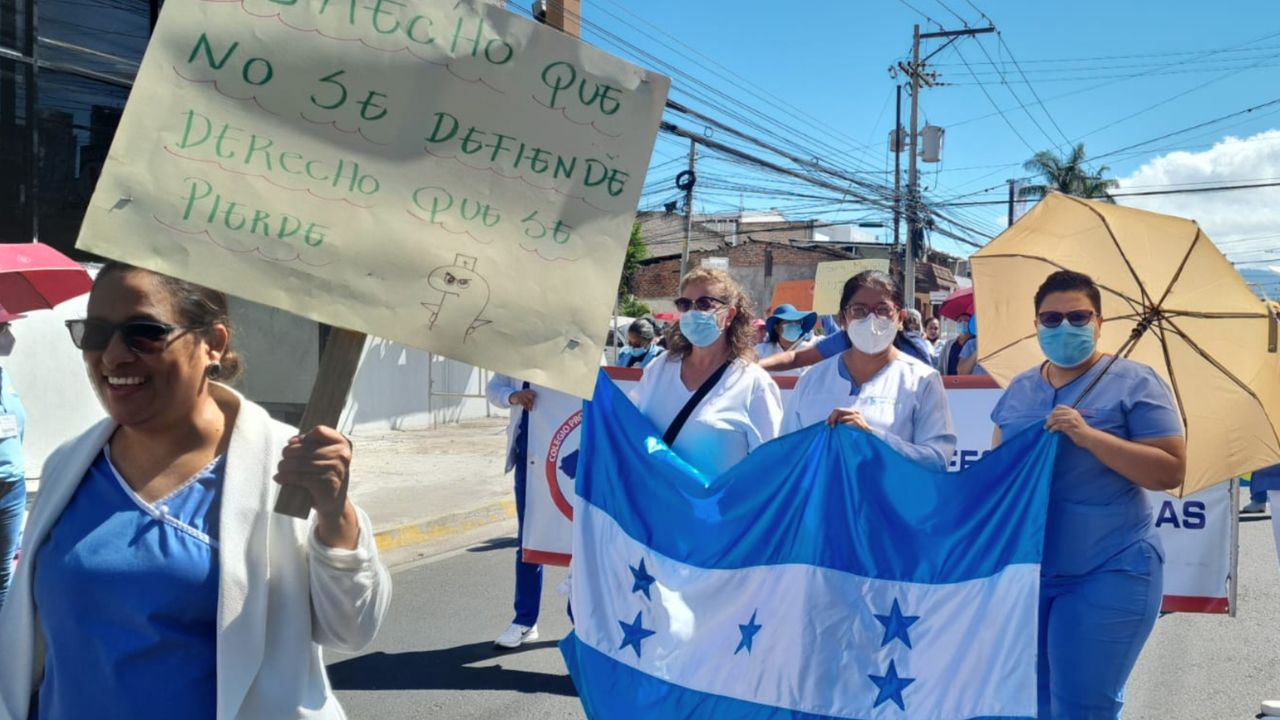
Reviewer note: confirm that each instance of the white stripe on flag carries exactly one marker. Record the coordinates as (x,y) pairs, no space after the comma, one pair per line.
(818,643)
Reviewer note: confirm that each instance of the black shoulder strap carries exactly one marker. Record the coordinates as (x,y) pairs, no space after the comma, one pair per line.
(673,430)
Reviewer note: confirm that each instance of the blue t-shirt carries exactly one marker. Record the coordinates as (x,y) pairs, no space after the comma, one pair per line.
(969,350)
(1094,512)
(127,593)
(12,464)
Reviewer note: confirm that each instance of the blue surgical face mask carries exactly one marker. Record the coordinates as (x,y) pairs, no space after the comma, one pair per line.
(791,333)
(699,327)
(1067,346)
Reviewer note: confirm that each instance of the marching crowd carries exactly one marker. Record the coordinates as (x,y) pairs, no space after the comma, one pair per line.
(708,389)
(157,582)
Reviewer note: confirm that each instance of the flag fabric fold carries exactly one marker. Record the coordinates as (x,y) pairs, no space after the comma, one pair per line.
(823,576)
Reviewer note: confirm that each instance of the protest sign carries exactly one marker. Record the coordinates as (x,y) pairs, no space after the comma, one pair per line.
(439,173)
(1195,531)
(830,278)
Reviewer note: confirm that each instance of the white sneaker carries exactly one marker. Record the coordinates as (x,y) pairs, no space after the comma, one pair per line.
(1255,506)
(517,635)
(1270,708)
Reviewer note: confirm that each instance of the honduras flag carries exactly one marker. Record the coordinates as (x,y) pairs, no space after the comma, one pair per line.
(825,576)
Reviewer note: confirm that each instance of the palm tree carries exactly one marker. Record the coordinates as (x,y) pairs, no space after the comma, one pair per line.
(1067,175)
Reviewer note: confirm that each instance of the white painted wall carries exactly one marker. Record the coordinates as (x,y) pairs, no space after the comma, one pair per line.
(281,352)
(402,388)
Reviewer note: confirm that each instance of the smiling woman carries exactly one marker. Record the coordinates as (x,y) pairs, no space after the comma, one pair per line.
(153,561)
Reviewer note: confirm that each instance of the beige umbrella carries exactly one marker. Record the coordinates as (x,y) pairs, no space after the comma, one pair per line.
(1169,300)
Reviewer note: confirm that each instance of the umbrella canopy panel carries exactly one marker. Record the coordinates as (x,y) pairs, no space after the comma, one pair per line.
(1206,333)
(34,276)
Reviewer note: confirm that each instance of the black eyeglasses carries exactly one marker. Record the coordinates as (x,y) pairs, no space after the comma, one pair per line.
(1078,318)
(706,303)
(145,337)
(860,312)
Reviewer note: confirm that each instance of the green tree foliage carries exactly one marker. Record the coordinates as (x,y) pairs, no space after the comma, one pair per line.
(636,251)
(1068,175)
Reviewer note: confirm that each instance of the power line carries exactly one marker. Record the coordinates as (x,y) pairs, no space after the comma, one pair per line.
(1197,126)
(1183,191)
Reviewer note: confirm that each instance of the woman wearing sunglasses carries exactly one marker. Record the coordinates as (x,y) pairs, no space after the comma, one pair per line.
(873,386)
(1102,570)
(156,581)
(706,394)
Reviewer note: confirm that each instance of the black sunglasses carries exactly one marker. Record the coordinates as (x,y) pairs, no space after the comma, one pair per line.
(145,337)
(706,303)
(1078,318)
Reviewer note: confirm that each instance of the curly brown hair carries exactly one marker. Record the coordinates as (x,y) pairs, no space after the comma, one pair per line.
(740,333)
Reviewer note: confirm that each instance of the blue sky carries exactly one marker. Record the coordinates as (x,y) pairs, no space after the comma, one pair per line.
(1111,74)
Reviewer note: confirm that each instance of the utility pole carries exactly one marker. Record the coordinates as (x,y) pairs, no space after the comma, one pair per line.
(897,172)
(915,225)
(565,16)
(913,209)
(685,182)
(1012,184)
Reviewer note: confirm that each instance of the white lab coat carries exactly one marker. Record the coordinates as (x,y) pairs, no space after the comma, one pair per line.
(499,391)
(281,594)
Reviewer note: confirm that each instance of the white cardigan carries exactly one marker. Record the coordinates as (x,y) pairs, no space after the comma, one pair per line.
(281,594)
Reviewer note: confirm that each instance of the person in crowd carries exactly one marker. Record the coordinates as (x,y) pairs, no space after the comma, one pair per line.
(949,355)
(506,393)
(832,345)
(1260,483)
(933,335)
(707,396)
(761,333)
(155,579)
(1102,569)
(642,346)
(967,364)
(873,386)
(913,332)
(787,329)
(13,473)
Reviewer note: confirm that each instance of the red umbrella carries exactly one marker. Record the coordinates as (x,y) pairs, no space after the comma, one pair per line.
(957,303)
(666,316)
(34,276)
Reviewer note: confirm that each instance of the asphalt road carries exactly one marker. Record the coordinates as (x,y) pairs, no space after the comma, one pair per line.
(434,659)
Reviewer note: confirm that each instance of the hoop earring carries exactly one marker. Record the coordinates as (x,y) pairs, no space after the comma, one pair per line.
(213,371)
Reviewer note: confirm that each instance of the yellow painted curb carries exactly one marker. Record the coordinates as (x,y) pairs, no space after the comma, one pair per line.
(444,527)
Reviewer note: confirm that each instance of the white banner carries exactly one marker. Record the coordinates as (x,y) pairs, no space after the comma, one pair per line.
(1195,531)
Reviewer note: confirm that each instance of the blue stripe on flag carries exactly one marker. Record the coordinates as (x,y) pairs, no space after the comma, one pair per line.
(602,681)
(931,527)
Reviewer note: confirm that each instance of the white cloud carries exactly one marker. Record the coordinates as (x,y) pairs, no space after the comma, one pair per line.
(1227,217)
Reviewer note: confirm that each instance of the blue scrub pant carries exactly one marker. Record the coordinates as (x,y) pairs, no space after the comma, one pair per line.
(1092,628)
(528,576)
(13,508)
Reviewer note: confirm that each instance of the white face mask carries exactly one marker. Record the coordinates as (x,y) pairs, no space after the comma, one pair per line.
(872,334)
(6,342)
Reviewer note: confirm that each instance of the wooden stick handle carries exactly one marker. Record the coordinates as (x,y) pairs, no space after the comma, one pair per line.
(328,397)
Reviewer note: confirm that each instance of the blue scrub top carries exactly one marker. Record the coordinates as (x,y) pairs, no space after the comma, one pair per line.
(1094,512)
(127,594)
(12,464)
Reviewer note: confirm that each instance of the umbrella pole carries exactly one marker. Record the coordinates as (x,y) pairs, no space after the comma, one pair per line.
(1136,334)
(1233,576)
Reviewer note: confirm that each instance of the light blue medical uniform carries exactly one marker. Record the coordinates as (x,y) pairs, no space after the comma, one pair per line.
(13,481)
(1103,568)
(128,599)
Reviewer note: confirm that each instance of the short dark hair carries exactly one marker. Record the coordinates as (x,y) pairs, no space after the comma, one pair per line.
(198,307)
(869,279)
(1070,281)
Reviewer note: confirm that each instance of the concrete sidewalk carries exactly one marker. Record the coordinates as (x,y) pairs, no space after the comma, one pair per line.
(422,486)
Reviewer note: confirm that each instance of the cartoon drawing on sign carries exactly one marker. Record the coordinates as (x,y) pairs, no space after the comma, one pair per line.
(464,295)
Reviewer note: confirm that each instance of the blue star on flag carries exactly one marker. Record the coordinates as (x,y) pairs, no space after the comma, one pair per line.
(748,634)
(642,580)
(891,687)
(896,624)
(634,633)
